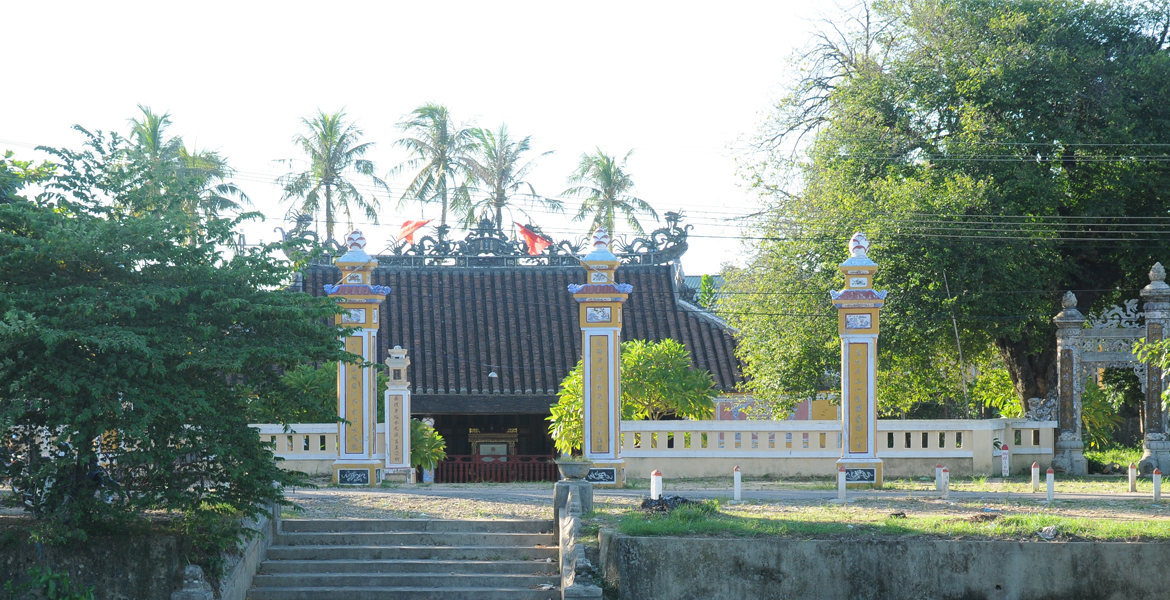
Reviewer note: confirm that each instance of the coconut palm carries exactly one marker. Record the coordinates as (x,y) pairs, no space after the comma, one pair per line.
(168,165)
(496,168)
(438,150)
(605,185)
(335,158)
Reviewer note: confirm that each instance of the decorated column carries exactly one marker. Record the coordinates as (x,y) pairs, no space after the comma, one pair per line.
(600,313)
(1155,447)
(397,412)
(858,306)
(1068,456)
(357,384)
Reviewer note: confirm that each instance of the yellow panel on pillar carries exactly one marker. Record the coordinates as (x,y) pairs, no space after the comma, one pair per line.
(357,462)
(858,307)
(600,303)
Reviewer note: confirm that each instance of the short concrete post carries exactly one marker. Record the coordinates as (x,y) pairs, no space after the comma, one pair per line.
(1132,477)
(1051,484)
(1006,461)
(841,483)
(946,483)
(1157,485)
(938,477)
(655,484)
(1035,477)
(738,483)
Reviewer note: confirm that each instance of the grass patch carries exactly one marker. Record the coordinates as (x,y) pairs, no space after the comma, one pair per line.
(1118,454)
(835,522)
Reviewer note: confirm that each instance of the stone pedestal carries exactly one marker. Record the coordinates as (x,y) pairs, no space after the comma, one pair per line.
(599,304)
(561,492)
(357,384)
(858,308)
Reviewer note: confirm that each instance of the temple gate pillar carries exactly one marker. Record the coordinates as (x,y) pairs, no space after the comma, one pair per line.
(1155,447)
(356,383)
(1068,454)
(600,315)
(858,307)
(397,410)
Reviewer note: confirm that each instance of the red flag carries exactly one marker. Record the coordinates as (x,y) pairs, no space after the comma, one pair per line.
(408,229)
(536,242)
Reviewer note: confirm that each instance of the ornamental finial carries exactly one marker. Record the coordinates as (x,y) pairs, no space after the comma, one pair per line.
(355,240)
(858,245)
(1158,272)
(601,238)
(1069,300)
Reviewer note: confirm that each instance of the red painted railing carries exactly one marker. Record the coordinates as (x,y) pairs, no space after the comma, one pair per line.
(471,468)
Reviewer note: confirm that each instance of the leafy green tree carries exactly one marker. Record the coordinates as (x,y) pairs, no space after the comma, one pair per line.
(658,382)
(497,167)
(427,447)
(605,185)
(708,294)
(439,150)
(334,151)
(129,353)
(194,181)
(17,174)
(996,153)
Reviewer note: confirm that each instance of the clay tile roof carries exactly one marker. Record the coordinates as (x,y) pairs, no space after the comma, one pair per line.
(462,323)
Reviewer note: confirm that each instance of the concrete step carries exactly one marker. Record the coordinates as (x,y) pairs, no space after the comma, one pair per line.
(435,580)
(430,525)
(383,552)
(413,538)
(528,567)
(401,593)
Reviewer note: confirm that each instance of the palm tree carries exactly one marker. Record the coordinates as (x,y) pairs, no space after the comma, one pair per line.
(605,185)
(335,156)
(496,168)
(439,151)
(170,166)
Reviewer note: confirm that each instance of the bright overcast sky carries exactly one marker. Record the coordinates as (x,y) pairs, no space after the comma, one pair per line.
(678,83)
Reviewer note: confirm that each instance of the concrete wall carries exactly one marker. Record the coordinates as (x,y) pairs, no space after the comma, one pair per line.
(662,568)
(135,568)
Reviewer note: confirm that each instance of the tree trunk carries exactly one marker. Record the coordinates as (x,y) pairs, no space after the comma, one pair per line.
(328,213)
(1033,374)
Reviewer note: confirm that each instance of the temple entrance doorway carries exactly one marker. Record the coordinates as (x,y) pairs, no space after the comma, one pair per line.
(499,448)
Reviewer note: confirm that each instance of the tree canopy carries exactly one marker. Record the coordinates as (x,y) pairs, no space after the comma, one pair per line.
(604,186)
(658,382)
(996,153)
(132,352)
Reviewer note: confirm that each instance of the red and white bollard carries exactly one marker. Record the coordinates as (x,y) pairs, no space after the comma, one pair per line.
(1132,477)
(841,483)
(1035,477)
(938,477)
(738,488)
(1006,460)
(1051,484)
(655,484)
(946,483)
(1157,485)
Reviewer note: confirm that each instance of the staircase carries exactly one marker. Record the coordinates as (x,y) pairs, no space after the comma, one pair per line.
(392,559)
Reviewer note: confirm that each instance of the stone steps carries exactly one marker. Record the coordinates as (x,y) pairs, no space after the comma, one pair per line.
(388,559)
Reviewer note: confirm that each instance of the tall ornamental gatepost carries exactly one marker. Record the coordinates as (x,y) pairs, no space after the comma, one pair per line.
(599,304)
(357,384)
(397,410)
(858,306)
(1155,447)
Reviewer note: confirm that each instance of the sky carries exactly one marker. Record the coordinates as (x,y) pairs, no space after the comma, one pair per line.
(678,83)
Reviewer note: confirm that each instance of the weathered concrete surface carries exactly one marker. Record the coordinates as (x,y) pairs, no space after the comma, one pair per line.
(653,568)
(136,568)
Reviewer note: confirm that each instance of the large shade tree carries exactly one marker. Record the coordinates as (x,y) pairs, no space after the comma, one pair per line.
(498,169)
(604,186)
(996,152)
(336,168)
(439,150)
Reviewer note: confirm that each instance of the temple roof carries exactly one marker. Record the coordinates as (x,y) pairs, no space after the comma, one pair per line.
(520,322)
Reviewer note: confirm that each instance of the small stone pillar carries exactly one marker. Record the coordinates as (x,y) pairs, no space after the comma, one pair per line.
(356,384)
(858,307)
(1068,454)
(397,412)
(599,304)
(1155,447)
